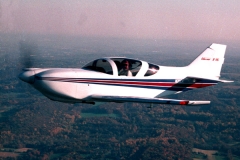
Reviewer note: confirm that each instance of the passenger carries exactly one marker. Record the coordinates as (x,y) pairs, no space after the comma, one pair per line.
(125,71)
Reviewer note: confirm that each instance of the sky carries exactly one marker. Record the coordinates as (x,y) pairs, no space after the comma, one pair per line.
(216,20)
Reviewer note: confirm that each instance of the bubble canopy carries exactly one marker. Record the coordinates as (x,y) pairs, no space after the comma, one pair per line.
(114,65)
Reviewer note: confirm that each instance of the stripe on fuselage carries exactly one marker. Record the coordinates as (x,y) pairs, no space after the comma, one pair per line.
(164,84)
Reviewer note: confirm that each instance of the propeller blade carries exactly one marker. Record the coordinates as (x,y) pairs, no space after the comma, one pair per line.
(28,51)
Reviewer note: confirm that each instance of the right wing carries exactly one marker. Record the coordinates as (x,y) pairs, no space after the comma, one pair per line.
(121,99)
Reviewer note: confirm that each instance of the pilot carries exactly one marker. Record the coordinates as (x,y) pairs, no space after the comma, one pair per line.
(125,71)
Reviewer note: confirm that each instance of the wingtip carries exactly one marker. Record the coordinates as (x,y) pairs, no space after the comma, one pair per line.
(199,102)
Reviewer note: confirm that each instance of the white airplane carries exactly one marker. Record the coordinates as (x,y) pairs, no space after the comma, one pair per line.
(102,81)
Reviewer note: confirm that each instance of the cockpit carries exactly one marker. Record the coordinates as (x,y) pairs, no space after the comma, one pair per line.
(122,67)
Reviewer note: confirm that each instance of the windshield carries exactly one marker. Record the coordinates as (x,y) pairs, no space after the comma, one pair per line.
(100,65)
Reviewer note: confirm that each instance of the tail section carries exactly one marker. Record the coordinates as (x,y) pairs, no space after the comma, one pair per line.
(209,63)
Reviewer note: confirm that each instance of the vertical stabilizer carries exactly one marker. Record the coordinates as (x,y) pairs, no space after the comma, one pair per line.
(209,63)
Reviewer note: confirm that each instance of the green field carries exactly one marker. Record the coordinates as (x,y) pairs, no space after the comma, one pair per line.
(200,154)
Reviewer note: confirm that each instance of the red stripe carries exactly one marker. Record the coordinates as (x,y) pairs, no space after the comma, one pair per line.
(130,82)
(157,84)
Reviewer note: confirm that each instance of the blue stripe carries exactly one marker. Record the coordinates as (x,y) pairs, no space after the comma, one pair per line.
(177,88)
(148,87)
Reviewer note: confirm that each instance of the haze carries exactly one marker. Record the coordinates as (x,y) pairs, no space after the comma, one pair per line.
(217,21)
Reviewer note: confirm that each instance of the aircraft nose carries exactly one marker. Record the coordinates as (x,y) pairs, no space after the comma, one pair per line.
(27,76)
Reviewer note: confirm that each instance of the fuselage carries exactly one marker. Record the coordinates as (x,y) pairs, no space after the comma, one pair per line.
(77,85)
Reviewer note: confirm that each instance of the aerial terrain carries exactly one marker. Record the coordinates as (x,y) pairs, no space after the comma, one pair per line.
(34,127)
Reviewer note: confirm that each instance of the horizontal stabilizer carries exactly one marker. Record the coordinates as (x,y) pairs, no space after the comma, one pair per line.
(195,79)
(118,99)
(225,81)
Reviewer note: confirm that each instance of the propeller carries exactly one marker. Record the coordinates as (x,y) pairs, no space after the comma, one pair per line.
(28,50)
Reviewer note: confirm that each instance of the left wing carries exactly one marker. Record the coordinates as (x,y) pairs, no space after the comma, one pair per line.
(120,99)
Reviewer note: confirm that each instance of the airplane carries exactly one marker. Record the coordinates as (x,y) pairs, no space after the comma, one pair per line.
(99,81)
